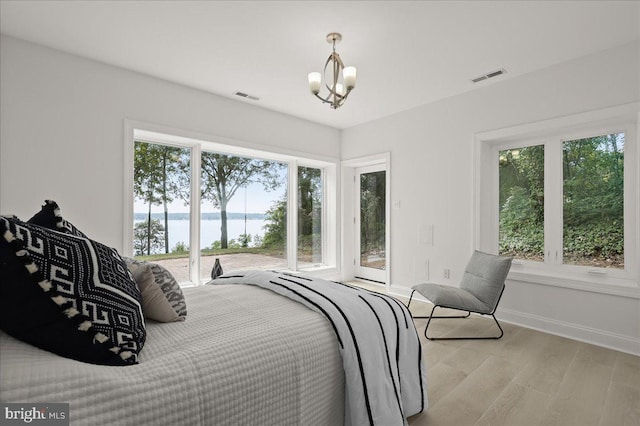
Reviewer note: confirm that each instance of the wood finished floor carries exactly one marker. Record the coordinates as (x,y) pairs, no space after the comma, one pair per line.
(527,378)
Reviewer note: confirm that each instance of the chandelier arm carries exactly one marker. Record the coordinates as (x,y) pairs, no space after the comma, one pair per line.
(326,101)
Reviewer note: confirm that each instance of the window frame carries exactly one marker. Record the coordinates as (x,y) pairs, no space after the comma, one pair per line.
(137,131)
(552,134)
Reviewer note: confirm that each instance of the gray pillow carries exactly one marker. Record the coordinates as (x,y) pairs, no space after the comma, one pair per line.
(162,297)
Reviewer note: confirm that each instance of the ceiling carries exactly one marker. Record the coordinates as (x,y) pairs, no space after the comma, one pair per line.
(407,53)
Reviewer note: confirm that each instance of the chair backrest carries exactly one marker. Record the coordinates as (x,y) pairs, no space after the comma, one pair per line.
(484,277)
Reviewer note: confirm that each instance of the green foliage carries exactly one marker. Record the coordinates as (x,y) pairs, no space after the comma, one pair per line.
(180,248)
(309,217)
(372,212)
(310,214)
(148,238)
(244,240)
(593,201)
(520,231)
(275,235)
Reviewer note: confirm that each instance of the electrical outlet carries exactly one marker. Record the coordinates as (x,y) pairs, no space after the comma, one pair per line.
(445,273)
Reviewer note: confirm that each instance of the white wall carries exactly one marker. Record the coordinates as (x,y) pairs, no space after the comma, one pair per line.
(62,126)
(432,175)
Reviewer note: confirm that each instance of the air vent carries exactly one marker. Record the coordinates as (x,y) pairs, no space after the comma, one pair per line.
(489,75)
(246,96)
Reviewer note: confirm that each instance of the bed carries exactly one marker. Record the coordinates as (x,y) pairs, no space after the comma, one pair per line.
(111,337)
(244,356)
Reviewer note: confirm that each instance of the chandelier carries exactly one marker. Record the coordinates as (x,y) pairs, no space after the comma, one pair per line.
(341,81)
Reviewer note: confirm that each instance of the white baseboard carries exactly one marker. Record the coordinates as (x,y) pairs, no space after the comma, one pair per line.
(571,331)
(559,328)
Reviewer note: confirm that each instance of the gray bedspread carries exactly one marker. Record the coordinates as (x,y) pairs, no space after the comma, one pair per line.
(244,356)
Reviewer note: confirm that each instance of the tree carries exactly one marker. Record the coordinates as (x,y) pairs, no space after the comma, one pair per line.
(522,202)
(145,182)
(593,201)
(275,235)
(310,212)
(593,172)
(372,212)
(160,173)
(309,199)
(147,237)
(223,175)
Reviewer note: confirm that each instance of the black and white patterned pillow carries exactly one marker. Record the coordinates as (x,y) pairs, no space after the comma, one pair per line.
(165,283)
(68,295)
(49,216)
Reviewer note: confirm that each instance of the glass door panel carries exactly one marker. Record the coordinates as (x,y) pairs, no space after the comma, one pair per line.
(371,261)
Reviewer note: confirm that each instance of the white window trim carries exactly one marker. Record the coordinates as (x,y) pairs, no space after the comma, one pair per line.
(624,118)
(136,130)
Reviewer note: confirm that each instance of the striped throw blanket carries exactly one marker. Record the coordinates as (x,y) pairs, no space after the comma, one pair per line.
(380,348)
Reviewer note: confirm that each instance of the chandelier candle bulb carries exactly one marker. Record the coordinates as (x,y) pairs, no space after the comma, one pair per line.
(314,82)
(349,75)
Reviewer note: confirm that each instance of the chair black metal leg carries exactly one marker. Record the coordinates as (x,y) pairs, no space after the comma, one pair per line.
(464,337)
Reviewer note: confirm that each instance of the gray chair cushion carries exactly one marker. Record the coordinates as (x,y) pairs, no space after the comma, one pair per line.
(484,277)
(451,297)
(480,288)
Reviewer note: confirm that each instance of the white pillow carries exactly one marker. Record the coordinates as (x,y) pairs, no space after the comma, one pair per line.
(162,297)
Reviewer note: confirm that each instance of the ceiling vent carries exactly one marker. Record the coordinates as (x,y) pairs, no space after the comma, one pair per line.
(489,75)
(246,96)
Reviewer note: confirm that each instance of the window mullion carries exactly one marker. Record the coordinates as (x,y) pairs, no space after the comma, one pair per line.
(553,206)
(292,217)
(323,218)
(194,222)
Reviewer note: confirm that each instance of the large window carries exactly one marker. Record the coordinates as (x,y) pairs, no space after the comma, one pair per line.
(592,183)
(196,202)
(562,200)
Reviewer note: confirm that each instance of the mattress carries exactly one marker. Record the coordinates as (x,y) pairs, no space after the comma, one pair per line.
(244,356)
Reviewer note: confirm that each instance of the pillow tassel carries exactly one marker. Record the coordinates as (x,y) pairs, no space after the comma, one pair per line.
(60,300)
(84,325)
(101,338)
(31,267)
(45,285)
(71,312)
(8,236)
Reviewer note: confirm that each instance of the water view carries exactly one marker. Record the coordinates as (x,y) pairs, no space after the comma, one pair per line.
(209,227)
